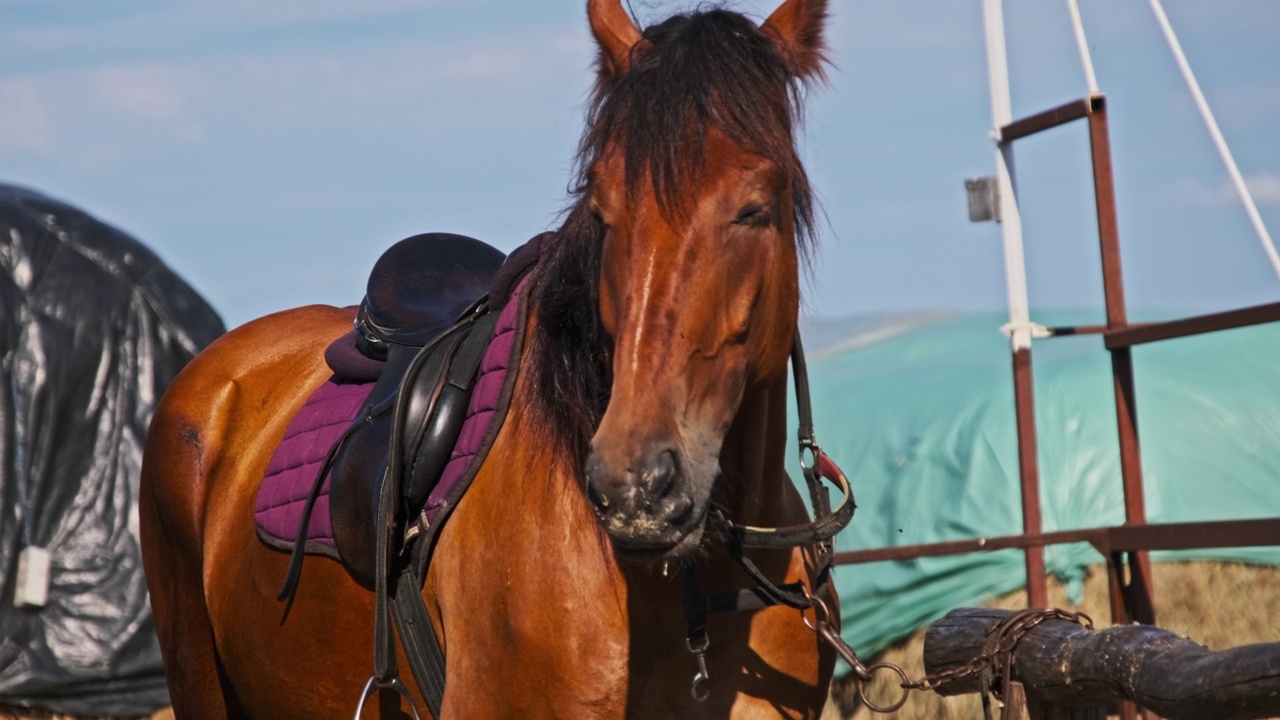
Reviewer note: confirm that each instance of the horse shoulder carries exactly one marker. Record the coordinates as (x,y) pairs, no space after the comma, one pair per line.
(522,565)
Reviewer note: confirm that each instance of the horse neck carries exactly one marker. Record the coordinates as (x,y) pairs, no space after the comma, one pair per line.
(755,487)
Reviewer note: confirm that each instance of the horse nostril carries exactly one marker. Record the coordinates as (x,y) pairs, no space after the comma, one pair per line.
(661,474)
(599,501)
(680,513)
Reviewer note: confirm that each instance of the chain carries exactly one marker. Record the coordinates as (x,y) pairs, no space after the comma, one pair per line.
(1002,640)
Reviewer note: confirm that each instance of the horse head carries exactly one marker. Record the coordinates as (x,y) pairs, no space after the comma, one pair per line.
(690,169)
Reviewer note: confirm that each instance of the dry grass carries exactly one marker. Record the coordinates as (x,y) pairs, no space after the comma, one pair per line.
(1218,605)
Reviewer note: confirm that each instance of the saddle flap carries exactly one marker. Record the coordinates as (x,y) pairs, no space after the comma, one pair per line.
(413,416)
(426,457)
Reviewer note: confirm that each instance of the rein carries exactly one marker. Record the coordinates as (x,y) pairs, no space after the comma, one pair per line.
(818,533)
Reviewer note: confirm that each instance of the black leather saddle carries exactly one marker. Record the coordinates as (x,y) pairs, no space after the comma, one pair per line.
(430,310)
(424,323)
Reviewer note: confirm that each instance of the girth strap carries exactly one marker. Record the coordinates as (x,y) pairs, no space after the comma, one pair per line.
(403,602)
(397,597)
(418,638)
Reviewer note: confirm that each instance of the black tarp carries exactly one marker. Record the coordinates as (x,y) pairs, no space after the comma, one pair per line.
(93,328)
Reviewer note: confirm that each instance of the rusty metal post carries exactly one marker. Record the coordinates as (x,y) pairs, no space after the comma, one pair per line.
(1029,474)
(1130,595)
(1121,358)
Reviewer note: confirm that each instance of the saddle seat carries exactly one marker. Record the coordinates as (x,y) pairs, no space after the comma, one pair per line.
(419,287)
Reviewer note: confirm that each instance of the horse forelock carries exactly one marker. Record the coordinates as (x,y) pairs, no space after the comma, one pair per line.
(701,70)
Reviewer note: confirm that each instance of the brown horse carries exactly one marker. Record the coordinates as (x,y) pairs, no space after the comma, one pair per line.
(651,396)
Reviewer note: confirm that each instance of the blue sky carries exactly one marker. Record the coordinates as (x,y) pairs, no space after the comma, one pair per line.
(269,151)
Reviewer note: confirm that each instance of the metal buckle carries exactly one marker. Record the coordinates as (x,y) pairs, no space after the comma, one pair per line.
(699,689)
(810,446)
(393,684)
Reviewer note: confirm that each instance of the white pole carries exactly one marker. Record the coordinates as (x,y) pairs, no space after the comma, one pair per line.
(1241,189)
(1085,58)
(1015,265)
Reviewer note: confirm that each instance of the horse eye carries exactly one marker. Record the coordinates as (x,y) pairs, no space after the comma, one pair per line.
(598,214)
(754,216)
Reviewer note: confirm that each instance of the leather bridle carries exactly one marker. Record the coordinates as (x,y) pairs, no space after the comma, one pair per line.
(816,534)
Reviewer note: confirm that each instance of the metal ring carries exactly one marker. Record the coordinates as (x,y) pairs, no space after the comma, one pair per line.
(374,685)
(821,613)
(813,452)
(700,691)
(906,691)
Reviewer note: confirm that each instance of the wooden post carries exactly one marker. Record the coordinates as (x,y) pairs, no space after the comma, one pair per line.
(1064,665)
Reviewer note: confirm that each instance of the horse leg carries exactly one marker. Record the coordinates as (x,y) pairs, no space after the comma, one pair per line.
(170,539)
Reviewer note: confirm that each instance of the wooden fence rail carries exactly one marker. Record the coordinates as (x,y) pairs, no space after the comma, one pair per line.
(1061,664)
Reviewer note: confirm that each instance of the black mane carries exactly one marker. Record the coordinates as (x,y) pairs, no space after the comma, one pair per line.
(712,68)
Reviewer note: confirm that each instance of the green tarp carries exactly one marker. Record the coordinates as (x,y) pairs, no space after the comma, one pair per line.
(918,411)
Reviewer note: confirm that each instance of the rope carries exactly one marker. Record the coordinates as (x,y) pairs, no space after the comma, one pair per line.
(1236,179)
(1085,58)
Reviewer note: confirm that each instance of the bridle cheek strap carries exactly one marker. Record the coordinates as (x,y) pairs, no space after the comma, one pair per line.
(817,534)
(816,467)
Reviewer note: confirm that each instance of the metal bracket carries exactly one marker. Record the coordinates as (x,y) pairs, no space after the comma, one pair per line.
(1037,330)
(984,199)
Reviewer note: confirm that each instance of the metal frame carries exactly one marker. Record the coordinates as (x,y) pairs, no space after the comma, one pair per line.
(1125,548)
(1119,336)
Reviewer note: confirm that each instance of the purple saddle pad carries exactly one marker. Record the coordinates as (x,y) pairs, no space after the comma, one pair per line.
(314,429)
(330,411)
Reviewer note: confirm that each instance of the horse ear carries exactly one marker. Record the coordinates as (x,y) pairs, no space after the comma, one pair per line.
(615,32)
(797,28)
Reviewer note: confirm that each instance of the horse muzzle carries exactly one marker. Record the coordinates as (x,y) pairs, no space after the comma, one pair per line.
(648,507)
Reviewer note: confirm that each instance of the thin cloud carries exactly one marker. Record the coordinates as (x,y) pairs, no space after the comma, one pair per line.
(1249,105)
(24,119)
(425,83)
(85,116)
(1264,187)
(485,64)
(199,18)
(97,117)
(153,93)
